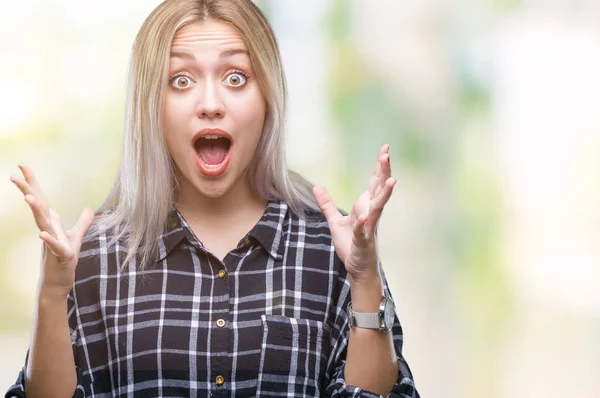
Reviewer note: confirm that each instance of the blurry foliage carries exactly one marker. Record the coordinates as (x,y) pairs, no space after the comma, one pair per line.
(505,5)
(468,226)
(265,7)
(452,161)
(367,112)
(365,108)
(485,291)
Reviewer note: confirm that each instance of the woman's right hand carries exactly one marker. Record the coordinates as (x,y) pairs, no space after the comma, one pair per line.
(61,248)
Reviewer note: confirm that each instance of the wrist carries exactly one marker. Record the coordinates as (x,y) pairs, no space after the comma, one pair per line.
(51,295)
(366,294)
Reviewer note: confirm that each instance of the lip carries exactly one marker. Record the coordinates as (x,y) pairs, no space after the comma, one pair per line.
(219,132)
(213,172)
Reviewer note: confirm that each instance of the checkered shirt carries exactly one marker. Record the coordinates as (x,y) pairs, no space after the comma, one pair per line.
(268,320)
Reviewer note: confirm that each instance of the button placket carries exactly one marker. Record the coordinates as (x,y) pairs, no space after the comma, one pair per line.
(220,341)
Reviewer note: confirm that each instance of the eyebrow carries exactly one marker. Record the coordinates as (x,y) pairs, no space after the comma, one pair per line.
(224,54)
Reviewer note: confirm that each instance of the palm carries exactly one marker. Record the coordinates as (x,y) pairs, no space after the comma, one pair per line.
(61,248)
(354,234)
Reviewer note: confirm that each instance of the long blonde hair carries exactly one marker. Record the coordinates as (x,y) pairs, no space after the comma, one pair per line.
(145,188)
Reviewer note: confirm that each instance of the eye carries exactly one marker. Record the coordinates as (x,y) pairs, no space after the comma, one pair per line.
(181,81)
(236,78)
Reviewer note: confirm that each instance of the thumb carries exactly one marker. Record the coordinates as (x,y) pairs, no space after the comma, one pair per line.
(86,217)
(326,204)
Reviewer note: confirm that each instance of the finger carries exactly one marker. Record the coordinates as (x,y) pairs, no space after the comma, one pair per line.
(386,171)
(58,226)
(384,151)
(60,250)
(21,184)
(386,167)
(373,184)
(40,217)
(381,153)
(33,183)
(375,180)
(29,176)
(358,230)
(381,200)
(332,215)
(378,203)
(86,217)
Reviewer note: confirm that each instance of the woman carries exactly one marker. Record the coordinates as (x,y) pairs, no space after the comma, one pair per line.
(211,269)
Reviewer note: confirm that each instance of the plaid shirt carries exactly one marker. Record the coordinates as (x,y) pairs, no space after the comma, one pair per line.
(269,320)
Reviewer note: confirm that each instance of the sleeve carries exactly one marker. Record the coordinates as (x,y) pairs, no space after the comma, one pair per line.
(17,390)
(337,386)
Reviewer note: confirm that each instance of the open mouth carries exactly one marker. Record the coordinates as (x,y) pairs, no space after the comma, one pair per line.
(212,150)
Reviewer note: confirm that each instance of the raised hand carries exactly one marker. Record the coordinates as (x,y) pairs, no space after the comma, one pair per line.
(61,248)
(354,235)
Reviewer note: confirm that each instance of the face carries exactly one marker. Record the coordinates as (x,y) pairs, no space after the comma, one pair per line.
(213,111)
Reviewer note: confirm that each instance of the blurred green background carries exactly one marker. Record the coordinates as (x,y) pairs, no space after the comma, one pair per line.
(492,110)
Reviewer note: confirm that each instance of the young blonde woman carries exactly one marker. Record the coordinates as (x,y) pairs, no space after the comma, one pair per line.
(212,269)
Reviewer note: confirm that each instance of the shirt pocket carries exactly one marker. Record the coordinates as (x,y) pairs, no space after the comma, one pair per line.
(294,355)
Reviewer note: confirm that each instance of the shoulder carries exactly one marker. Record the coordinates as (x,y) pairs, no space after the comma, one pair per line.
(311,231)
(309,218)
(102,244)
(104,229)
(315,218)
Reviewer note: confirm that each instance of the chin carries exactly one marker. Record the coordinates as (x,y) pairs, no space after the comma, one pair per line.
(213,190)
(213,193)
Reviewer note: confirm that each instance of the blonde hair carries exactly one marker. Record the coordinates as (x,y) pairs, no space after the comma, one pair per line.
(145,188)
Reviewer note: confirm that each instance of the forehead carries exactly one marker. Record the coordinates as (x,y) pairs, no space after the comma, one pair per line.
(208,35)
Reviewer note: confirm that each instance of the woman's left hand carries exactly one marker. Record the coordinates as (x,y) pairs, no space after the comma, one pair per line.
(354,235)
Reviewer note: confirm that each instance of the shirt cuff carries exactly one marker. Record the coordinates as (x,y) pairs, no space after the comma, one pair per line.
(17,390)
(404,387)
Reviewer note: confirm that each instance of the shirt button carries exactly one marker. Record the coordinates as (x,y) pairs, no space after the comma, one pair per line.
(222,273)
(220,380)
(247,241)
(221,323)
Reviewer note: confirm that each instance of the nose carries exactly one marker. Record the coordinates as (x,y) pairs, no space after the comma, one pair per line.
(210,105)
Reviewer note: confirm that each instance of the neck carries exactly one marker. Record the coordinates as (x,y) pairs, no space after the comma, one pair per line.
(239,202)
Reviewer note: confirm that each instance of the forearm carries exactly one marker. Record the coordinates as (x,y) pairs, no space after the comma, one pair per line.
(371,359)
(51,366)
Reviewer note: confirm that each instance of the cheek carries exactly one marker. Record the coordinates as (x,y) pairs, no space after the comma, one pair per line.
(178,107)
(252,130)
(253,117)
(174,120)
(171,139)
(170,114)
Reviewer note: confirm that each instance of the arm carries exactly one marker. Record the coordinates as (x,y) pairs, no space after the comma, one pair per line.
(371,359)
(51,366)
(367,359)
(50,369)
(50,351)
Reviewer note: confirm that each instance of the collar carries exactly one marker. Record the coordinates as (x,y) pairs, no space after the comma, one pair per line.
(268,231)
(175,230)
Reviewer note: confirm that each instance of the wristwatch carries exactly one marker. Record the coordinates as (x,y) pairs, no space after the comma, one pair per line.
(383,319)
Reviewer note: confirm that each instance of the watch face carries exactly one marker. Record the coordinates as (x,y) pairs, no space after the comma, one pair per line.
(389,313)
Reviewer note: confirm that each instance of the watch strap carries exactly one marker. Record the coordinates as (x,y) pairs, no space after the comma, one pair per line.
(366,320)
